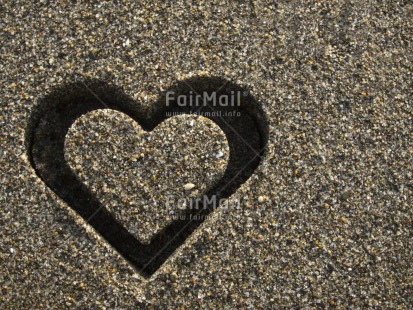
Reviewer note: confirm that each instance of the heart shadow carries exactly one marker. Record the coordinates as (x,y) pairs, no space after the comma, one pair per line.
(240,117)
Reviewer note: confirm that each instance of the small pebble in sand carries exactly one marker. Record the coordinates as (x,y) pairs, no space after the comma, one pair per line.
(189,186)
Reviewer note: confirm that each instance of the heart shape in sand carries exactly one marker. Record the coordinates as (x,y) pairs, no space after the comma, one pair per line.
(138,175)
(227,105)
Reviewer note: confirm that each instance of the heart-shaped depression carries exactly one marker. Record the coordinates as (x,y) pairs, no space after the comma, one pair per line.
(230,106)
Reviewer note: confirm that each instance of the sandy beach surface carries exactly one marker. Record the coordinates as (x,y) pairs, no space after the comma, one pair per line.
(314,166)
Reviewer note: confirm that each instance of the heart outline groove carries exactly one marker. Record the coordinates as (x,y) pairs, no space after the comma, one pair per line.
(244,126)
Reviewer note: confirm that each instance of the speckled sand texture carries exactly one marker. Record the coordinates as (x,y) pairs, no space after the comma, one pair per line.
(140,177)
(325,220)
